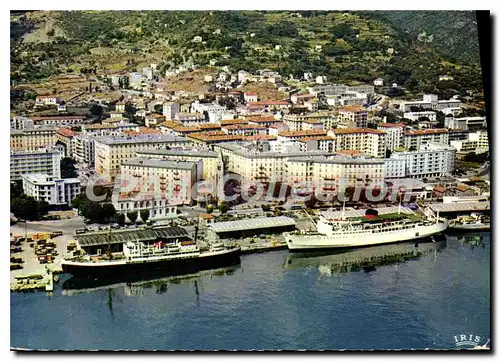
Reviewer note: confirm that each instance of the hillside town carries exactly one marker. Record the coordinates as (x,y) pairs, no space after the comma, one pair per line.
(203,158)
(244,180)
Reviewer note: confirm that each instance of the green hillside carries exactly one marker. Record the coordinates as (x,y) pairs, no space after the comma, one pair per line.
(345,46)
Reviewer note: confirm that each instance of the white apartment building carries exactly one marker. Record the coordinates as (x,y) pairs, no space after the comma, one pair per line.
(46,161)
(416,138)
(170,109)
(430,101)
(250,97)
(172,180)
(215,112)
(415,116)
(21,123)
(464,123)
(394,134)
(432,160)
(339,89)
(476,142)
(395,168)
(84,152)
(209,159)
(135,79)
(46,100)
(368,141)
(158,208)
(111,151)
(53,190)
(32,139)
(353,117)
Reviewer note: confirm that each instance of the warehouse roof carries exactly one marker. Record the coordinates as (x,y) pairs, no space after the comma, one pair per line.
(255,223)
(123,236)
(460,207)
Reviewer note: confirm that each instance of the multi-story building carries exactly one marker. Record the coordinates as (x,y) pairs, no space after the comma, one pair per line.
(328,174)
(394,134)
(476,142)
(84,151)
(135,79)
(353,117)
(109,129)
(32,139)
(465,123)
(111,151)
(250,97)
(59,120)
(46,161)
(190,119)
(339,89)
(21,123)
(209,159)
(415,116)
(255,162)
(368,141)
(170,109)
(244,129)
(324,143)
(46,100)
(299,134)
(413,139)
(65,137)
(172,180)
(153,119)
(306,122)
(215,112)
(395,168)
(430,101)
(55,191)
(431,160)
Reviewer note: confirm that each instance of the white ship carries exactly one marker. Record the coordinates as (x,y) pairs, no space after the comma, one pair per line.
(331,233)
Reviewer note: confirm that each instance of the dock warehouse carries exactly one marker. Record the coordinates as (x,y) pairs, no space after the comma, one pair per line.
(451,210)
(250,227)
(96,243)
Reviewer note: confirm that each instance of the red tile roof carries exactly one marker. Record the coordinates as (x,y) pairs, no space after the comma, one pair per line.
(66,132)
(392,125)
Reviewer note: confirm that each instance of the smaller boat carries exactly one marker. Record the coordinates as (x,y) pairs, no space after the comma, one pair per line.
(474,222)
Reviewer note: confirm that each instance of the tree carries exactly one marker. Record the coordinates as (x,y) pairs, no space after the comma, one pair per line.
(68,169)
(95,109)
(145,215)
(108,211)
(132,216)
(28,208)
(159,108)
(223,207)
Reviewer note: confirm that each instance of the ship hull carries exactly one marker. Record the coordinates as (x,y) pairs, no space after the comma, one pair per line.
(345,240)
(122,270)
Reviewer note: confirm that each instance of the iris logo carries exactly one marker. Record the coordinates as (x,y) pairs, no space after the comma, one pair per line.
(470,341)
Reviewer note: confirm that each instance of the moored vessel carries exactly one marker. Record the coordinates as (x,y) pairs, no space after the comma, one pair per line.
(365,231)
(474,222)
(139,258)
